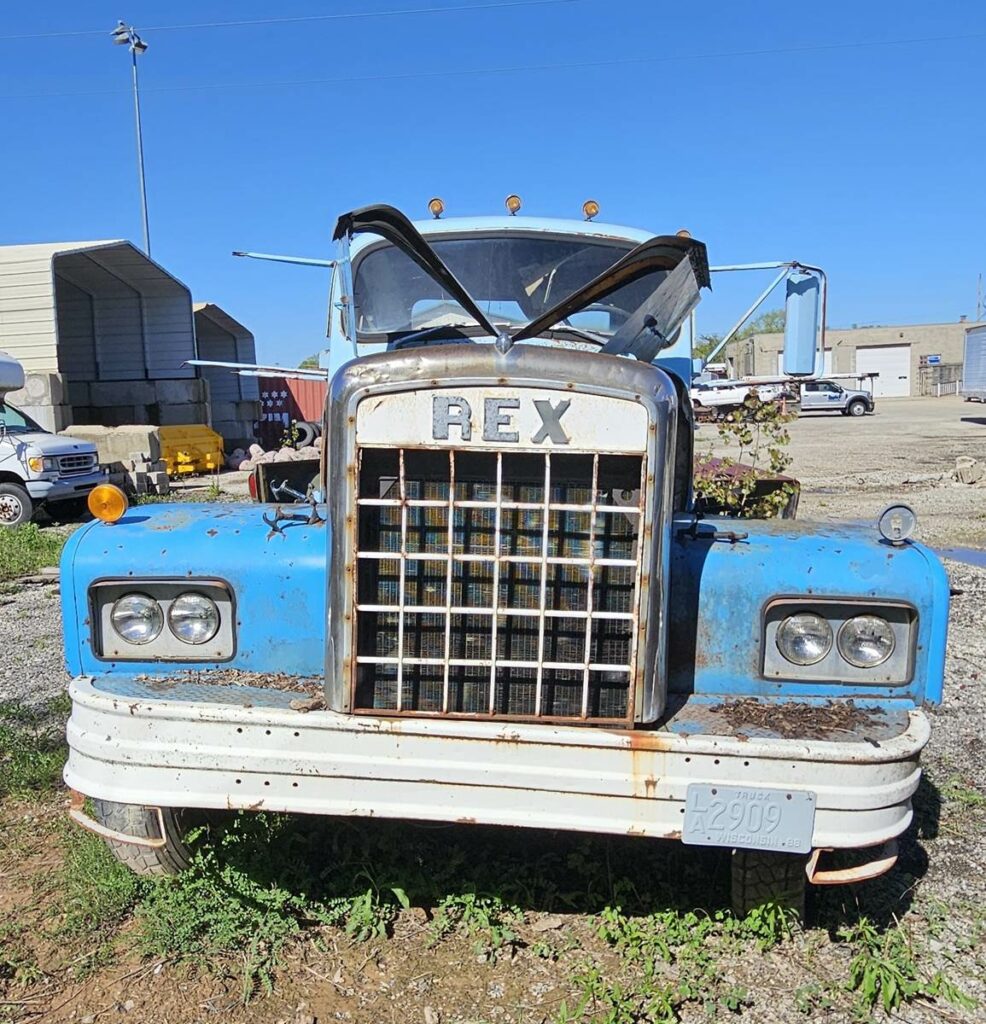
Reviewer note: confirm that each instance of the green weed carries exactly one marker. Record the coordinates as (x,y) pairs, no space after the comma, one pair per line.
(487,920)
(957,791)
(884,971)
(32,747)
(99,892)
(27,549)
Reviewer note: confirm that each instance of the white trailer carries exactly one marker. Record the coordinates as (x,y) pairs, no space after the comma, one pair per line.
(974,365)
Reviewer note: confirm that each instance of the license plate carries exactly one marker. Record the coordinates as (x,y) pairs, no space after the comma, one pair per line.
(749,819)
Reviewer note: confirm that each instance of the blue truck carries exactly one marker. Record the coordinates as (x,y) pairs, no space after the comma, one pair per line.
(507,610)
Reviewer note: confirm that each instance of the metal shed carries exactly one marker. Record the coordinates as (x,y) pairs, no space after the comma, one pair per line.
(234,400)
(102,331)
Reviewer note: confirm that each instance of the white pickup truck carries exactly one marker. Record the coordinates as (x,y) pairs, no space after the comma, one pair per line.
(38,468)
(721,397)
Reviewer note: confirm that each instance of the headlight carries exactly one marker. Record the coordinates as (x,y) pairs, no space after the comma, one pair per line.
(866,641)
(42,464)
(804,638)
(193,618)
(137,618)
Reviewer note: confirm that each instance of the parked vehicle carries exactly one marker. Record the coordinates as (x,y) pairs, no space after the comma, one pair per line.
(39,469)
(515,614)
(827,396)
(718,398)
(974,365)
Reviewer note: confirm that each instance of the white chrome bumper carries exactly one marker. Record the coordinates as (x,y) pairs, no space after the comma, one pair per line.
(178,753)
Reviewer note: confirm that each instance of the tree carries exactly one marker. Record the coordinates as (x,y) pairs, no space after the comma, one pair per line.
(770,322)
(309,363)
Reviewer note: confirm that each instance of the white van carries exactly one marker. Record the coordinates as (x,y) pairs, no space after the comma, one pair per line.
(38,468)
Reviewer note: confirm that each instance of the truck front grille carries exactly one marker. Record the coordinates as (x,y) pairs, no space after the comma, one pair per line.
(72,464)
(497,583)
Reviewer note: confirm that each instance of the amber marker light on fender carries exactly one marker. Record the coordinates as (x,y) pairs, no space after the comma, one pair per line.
(107,502)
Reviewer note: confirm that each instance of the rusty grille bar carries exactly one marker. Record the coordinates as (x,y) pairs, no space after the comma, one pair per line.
(498,583)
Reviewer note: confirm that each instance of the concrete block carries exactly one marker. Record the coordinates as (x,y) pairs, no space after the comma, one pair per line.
(968,470)
(77,392)
(176,415)
(115,444)
(235,433)
(39,389)
(248,411)
(158,482)
(122,415)
(52,417)
(179,392)
(223,411)
(121,392)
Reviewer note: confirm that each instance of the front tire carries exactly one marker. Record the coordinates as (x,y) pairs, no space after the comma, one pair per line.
(135,820)
(857,408)
(15,505)
(68,511)
(760,876)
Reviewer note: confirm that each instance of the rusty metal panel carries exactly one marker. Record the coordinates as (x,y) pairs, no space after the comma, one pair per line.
(169,744)
(507,380)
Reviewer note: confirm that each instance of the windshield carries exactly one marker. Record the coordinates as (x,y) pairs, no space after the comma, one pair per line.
(15,422)
(513,278)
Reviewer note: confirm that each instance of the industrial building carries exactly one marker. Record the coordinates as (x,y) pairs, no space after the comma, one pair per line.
(103,333)
(911,359)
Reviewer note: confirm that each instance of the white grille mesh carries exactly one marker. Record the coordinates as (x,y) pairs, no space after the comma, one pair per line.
(497,583)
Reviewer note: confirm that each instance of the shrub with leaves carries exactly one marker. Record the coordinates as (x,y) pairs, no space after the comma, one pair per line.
(742,485)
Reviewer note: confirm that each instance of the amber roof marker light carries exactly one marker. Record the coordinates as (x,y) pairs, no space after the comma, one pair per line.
(107,503)
(590,209)
(513,204)
(436,207)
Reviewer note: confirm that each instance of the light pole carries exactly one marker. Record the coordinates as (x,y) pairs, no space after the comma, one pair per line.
(125,35)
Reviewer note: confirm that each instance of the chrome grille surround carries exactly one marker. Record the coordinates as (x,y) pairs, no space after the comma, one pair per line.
(429,617)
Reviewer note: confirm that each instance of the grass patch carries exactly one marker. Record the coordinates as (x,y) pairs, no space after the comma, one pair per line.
(885,971)
(32,747)
(27,549)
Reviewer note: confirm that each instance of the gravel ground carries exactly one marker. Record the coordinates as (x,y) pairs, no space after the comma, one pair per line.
(32,665)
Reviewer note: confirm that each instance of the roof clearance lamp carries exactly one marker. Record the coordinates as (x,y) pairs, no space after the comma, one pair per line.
(590,209)
(512,203)
(436,207)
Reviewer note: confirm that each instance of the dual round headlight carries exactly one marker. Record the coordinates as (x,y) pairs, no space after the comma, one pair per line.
(192,618)
(865,641)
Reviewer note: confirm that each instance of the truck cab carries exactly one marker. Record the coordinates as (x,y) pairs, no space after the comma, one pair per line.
(39,469)
(508,611)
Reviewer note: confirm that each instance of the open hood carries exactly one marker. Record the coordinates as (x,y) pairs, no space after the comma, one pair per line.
(651,327)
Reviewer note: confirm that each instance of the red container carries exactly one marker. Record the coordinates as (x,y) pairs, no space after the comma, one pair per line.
(284,400)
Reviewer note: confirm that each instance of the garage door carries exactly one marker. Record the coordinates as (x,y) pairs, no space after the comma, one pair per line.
(893,363)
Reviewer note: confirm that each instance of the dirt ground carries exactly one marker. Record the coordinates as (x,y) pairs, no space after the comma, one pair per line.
(850,469)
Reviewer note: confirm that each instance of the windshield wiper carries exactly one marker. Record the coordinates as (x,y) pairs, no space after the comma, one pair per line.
(389,223)
(577,332)
(665,252)
(431,332)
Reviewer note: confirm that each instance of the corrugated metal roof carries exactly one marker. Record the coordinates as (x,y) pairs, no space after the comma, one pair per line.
(137,324)
(220,317)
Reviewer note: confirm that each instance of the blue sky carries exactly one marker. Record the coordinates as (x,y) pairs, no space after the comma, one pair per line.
(868,159)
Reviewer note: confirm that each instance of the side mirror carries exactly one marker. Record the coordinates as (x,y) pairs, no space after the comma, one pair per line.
(801,318)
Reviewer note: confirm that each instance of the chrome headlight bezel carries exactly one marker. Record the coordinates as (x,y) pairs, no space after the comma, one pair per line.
(895,670)
(108,645)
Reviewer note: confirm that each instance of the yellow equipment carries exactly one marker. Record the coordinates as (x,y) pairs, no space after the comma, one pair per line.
(192,448)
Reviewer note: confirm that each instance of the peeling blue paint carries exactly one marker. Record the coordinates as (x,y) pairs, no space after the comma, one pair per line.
(279,584)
